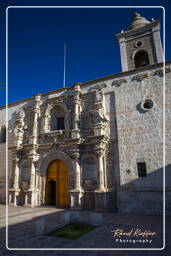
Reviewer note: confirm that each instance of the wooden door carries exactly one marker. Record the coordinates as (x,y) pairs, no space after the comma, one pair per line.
(62,185)
(57,172)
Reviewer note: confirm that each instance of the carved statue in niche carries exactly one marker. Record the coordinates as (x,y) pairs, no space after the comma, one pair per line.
(20,127)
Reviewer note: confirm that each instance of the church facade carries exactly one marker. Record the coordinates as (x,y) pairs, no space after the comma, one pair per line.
(96,145)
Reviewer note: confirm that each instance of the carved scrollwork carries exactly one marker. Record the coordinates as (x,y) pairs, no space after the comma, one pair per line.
(98,87)
(75,155)
(158,72)
(168,69)
(140,77)
(100,152)
(119,82)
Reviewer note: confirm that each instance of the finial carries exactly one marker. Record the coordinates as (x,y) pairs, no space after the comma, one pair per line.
(136,15)
(138,21)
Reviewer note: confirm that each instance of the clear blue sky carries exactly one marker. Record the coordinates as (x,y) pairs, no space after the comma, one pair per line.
(37,36)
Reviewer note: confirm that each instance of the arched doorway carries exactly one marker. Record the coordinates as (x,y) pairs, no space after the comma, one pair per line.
(57,184)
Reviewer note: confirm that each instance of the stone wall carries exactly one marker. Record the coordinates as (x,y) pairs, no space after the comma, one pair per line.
(140,139)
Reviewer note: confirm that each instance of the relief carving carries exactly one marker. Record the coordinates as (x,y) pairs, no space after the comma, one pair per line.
(158,72)
(119,82)
(98,87)
(140,77)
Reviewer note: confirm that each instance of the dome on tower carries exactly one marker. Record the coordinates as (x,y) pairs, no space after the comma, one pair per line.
(138,22)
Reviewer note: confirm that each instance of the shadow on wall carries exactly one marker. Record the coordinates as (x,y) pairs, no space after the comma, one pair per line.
(144,195)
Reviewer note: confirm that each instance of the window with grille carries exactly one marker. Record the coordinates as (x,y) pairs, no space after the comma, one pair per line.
(142,172)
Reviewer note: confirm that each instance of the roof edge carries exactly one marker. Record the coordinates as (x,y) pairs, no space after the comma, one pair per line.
(92,81)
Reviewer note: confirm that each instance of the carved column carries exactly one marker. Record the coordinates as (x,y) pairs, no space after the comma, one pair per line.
(33,156)
(36,111)
(16,174)
(77,193)
(100,154)
(101,201)
(32,175)
(77,172)
(13,193)
(77,106)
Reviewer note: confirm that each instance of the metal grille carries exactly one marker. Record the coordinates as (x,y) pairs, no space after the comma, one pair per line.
(142,172)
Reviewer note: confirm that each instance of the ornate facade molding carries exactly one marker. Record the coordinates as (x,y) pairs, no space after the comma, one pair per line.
(119,82)
(98,87)
(158,72)
(140,77)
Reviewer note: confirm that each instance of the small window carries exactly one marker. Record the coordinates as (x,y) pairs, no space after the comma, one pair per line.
(142,172)
(147,104)
(57,121)
(3,135)
(138,44)
(60,123)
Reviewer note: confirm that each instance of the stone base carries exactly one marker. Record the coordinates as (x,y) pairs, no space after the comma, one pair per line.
(22,197)
(76,199)
(14,196)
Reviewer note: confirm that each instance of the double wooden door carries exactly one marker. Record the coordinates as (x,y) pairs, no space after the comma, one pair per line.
(57,184)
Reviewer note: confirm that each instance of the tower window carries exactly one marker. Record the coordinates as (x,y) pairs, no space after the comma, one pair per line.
(141,59)
(3,134)
(60,123)
(147,104)
(142,172)
(138,44)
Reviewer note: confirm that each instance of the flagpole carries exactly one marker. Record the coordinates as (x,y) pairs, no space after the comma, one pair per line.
(64,65)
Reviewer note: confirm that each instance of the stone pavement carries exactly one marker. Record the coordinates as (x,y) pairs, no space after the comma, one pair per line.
(22,233)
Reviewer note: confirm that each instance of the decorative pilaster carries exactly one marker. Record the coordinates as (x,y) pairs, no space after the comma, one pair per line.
(14,191)
(77,107)
(101,186)
(36,111)
(77,193)
(16,174)
(33,156)
(77,171)
(33,175)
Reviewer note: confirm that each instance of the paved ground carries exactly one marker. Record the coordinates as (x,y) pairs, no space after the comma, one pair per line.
(21,233)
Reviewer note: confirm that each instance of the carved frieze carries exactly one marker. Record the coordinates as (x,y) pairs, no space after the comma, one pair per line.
(168,69)
(160,71)
(98,87)
(140,77)
(119,82)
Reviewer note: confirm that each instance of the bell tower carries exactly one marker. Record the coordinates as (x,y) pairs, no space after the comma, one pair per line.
(140,45)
